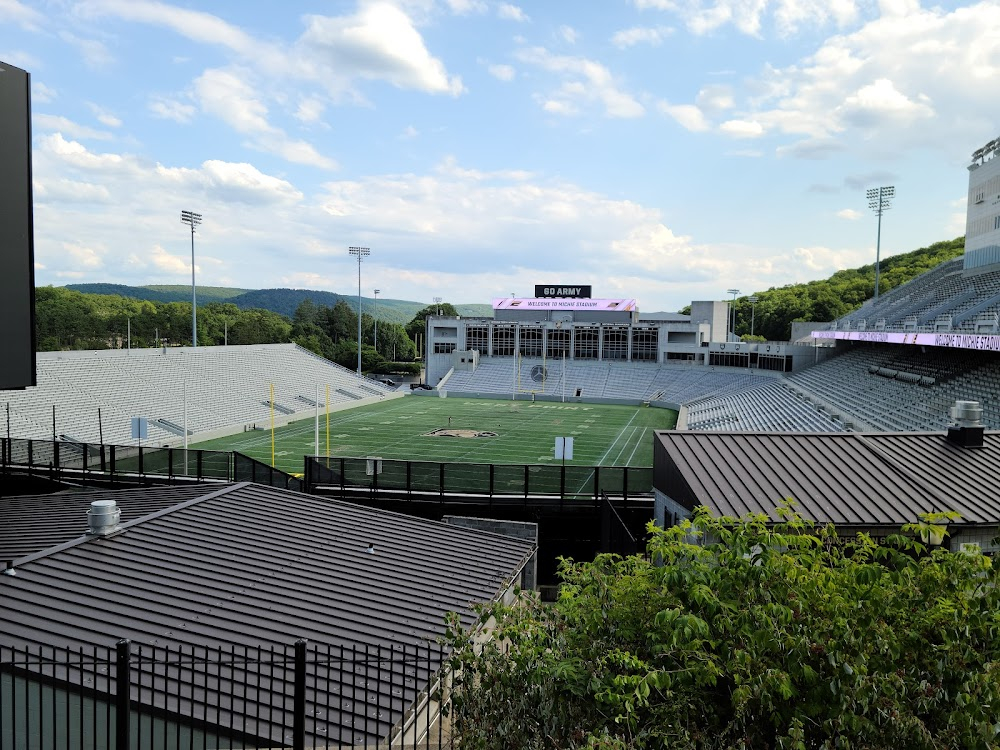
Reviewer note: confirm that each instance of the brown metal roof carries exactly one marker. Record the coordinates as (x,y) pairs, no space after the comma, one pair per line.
(841,478)
(31,523)
(254,565)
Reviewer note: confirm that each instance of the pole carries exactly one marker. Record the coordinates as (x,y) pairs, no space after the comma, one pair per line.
(272,424)
(328,420)
(359,315)
(185,427)
(376,320)
(878,241)
(360,252)
(129,334)
(564,377)
(192,219)
(316,426)
(194,296)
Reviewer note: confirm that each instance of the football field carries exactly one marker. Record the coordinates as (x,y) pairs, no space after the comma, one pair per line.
(456,430)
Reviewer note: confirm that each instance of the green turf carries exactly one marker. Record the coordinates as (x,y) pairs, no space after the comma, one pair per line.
(604,435)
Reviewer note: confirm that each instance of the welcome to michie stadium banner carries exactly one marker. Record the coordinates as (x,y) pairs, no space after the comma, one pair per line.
(989,342)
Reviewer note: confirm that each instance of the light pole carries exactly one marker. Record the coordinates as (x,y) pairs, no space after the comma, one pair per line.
(192,219)
(879,200)
(437,301)
(752,299)
(376,319)
(733,292)
(359,253)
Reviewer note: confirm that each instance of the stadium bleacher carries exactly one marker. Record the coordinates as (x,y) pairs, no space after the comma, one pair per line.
(218,387)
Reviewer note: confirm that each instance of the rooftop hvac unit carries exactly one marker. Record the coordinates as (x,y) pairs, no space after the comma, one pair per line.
(104,516)
(967,413)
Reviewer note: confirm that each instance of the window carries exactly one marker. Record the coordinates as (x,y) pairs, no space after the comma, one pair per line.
(585,343)
(476,338)
(503,341)
(644,345)
(443,347)
(558,342)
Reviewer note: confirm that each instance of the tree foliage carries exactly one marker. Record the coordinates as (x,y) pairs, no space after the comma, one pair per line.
(739,634)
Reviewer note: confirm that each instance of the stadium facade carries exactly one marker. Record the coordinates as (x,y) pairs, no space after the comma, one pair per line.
(583,329)
(982,228)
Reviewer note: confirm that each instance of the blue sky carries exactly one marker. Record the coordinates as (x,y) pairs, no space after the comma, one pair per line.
(666,150)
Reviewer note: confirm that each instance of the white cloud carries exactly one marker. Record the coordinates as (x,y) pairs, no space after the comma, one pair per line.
(584,81)
(640,35)
(715,98)
(824,260)
(465,7)
(850,214)
(95,55)
(165,108)
(880,101)
(104,117)
(748,16)
(409,133)
(742,128)
(17,12)
(41,94)
(380,42)
(228,96)
(925,66)
(688,116)
(502,72)
(311,109)
(55,123)
(567,34)
(509,12)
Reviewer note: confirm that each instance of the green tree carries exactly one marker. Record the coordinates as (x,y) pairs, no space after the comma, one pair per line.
(416,325)
(740,634)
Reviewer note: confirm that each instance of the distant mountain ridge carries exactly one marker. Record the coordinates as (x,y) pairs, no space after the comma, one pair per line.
(282,301)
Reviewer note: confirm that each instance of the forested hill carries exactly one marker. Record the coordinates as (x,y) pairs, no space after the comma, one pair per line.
(832,298)
(282,301)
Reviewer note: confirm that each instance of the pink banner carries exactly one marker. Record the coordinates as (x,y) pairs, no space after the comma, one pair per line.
(990,342)
(537,303)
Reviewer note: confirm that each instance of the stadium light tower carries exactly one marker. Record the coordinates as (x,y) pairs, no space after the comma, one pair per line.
(437,301)
(752,299)
(192,219)
(879,200)
(376,319)
(732,306)
(359,253)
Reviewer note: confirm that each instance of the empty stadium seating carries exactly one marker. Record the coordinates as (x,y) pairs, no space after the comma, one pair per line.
(217,388)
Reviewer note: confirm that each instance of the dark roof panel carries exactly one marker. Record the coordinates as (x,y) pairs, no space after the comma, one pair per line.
(31,523)
(841,478)
(248,565)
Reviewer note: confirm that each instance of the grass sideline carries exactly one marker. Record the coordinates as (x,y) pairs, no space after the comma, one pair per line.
(525,433)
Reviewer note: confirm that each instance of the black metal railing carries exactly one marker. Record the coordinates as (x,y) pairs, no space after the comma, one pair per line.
(59,460)
(140,697)
(580,483)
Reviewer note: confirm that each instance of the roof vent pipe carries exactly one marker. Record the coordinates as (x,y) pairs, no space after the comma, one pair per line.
(103,516)
(968,428)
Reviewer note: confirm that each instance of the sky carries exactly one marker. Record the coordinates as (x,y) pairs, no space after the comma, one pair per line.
(662,150)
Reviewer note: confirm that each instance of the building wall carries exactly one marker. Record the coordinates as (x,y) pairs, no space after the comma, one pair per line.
(982,226)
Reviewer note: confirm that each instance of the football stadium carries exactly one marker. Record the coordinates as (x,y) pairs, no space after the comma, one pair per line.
(277,539)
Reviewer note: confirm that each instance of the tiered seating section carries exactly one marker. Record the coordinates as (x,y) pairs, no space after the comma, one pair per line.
(222,387)
(943,299)
(606,380)
(870,387)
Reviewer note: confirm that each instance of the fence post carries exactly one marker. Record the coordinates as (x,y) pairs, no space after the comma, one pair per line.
(299,698)
(123,677)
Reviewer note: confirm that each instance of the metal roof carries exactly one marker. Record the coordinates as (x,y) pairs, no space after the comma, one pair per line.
(841,478)
(30,523)
(249,565)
